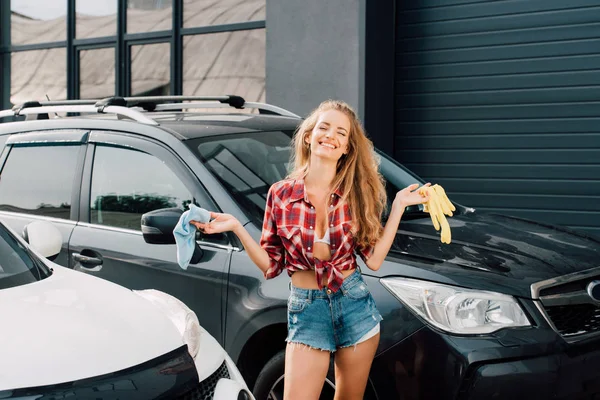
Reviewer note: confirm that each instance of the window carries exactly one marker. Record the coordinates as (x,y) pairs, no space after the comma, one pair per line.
(149,15)
(247,165)
(95,19)
(96,79)
(203,13)
(128,183)
(150,69)
(38,75)
(38,21)
(39,180)
(225,62)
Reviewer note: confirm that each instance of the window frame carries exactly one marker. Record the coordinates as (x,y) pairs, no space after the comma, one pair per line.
(54,138)
(121,41)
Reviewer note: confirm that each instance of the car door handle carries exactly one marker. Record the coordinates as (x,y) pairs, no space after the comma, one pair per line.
(87,261)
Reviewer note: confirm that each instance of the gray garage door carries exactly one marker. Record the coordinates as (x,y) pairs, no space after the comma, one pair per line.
(499,101)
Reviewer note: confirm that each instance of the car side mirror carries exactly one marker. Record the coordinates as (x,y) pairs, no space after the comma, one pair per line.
(158,225)
(44,237)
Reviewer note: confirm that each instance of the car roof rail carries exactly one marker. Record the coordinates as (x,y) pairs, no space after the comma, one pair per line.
(262,107)
(111,105)
(118,105)
(170,103)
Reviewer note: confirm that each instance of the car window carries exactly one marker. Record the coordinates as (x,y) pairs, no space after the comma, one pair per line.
(39,180)
(17,265)
(127,183)
(247,165)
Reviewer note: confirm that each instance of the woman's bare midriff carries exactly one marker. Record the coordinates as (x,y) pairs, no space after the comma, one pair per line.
(308,280)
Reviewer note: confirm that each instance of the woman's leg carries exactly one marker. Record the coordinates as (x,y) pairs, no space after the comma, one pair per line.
(352,366)
(305,372)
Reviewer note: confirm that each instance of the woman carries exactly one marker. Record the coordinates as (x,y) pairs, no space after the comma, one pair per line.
(328,208)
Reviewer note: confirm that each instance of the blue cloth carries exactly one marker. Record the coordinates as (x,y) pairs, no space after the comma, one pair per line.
(185,233)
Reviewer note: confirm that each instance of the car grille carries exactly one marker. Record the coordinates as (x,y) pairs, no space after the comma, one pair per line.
(205,390)
(567,306)
(575,319)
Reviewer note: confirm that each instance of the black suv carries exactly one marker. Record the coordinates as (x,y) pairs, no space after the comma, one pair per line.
(509,310)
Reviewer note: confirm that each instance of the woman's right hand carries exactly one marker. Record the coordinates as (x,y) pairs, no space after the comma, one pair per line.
(218,223)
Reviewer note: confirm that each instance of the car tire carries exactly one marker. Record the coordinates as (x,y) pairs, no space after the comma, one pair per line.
(269,384)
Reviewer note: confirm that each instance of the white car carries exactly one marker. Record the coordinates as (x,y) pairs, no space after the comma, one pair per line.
(65,334)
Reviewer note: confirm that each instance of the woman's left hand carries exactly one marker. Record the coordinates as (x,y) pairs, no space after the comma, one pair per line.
(409,196)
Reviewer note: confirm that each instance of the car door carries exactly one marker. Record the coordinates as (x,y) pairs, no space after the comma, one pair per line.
(125,177)
(40,176)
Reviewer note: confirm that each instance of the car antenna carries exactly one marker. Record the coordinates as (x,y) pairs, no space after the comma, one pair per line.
(56,115)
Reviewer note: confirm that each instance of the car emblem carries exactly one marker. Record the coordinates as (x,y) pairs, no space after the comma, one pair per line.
(593,289)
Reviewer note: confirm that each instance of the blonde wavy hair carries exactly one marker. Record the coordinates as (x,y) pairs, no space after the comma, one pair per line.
(357,174)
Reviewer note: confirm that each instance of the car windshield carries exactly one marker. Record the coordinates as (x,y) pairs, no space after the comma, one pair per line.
(18,266)
(248,164)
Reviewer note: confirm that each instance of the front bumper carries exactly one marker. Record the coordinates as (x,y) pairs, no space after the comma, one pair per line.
(169,376)
(432,365)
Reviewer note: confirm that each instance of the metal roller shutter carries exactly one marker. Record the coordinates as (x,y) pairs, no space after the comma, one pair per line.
(499,102)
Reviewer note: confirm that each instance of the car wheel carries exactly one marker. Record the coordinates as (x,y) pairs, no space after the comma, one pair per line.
(269,384)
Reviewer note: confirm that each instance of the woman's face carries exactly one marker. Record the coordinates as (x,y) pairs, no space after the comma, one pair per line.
(330,136)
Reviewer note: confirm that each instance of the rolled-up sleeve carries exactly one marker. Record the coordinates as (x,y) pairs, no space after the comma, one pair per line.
(270,241)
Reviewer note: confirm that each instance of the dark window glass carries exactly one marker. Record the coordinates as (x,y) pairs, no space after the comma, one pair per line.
(38,75)
(97,73)
(34,21)
(150,69)
(17,266)
(39,180)
(226,62)
(209,12)
(248,164)
(149,15)
(128,183)
(95,18)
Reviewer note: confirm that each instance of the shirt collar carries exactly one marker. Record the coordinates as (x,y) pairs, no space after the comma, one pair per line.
(299,192)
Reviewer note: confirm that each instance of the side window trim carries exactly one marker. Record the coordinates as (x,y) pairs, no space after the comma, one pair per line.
(43,137)
(86,184)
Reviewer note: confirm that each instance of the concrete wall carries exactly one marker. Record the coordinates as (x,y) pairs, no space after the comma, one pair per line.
(314,52)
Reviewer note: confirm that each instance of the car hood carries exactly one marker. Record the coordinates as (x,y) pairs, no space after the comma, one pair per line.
(494,252)
(71,326)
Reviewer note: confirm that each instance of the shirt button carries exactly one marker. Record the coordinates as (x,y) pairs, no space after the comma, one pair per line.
(309,248)
(331,225)
(310,227)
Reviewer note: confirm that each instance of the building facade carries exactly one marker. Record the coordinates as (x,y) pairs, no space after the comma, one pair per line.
(494,100)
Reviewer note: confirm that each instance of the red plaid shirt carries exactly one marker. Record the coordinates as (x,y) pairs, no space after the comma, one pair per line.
(288,234)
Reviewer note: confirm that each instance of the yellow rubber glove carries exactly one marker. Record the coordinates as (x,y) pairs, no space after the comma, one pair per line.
(438,206)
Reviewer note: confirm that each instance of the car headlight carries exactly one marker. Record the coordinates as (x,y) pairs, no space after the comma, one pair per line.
(184,319)
(458,310)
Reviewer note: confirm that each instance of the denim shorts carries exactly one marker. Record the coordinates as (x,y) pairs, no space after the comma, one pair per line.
(324,320)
